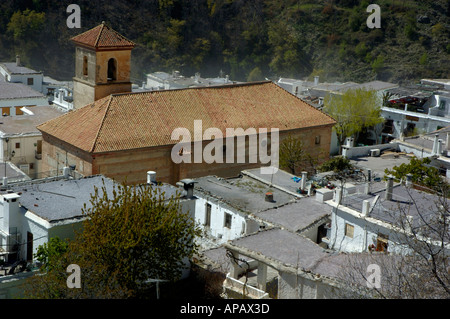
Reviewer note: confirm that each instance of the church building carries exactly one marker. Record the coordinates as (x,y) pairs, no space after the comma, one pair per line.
(123,134)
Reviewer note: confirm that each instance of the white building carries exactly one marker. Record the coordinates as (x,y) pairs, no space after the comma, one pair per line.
(380,217)
(21,142)
(14,72)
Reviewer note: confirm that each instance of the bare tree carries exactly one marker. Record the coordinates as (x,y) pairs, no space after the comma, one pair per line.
(419,268)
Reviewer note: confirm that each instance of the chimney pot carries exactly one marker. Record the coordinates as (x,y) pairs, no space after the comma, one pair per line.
(303,180)
(18,60)
(269,197)
(389,187)
(365,207)
(151,177)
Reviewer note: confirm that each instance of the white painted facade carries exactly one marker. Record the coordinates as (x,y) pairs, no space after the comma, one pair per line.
(220,227)
(17,224)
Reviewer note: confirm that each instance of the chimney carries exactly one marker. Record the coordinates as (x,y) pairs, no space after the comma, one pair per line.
(316,80)
(367,188)
(151,177)
(369,175)
(389,187)
(408,182)
(66,172)
(18,60)
(303,180)
(269,197)
(188,185)
(338,195)
(435,145)
(365,207)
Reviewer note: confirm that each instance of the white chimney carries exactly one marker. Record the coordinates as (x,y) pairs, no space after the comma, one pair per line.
(303,180)
(151,177)
(408,182)
(389,187)
(66,172)
(338,195)
(435,145)
(448,143)
(18,60)
(367,188)
(316,80)
(365,207)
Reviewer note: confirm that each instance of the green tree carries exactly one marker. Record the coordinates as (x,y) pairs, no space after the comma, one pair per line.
(130,236)
(422,173)
(353,111)
(25,24)
(377,64)
(49,253)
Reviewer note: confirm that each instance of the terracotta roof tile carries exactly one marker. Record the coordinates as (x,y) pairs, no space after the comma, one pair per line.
(146,119)
(102,36)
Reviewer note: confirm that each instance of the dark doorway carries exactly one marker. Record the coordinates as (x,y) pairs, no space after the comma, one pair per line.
(29,246)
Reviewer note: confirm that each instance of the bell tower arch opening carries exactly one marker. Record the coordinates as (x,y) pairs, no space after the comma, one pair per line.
(112,69)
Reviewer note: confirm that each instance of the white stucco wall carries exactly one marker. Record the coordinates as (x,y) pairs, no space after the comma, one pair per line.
(216,228)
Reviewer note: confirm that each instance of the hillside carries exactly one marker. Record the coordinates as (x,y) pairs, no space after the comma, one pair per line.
(249,40)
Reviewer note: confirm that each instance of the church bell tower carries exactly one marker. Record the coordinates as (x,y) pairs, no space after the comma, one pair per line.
(102,64)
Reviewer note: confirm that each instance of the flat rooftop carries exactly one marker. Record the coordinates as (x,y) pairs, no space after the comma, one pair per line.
(25,123)
(63,199)
(379,164)
(280,179)
(298,215)
(17,91)
(13,68)
(281,246)
(242,193)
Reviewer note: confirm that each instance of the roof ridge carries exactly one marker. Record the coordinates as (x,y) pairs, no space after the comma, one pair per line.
(108,101)
(99,34)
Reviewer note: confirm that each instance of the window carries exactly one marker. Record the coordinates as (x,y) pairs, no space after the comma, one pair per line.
(382,242)
(85,66)
(349,229)
(208,215)
(442,105)
(30,81)
(227,221)
(317,140)
(17,145)
(112,69)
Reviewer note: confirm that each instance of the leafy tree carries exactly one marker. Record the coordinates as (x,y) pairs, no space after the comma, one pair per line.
(25,24)
(49,253)
(422,173)
(336,164)
(130,236)
(353,111)
(378,64)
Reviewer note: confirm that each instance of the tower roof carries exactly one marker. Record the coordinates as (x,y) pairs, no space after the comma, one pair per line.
(102,36)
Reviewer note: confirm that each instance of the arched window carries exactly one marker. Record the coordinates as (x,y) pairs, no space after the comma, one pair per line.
(112,69)
(85,65)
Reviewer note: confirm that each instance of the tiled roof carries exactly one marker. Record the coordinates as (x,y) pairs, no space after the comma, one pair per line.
(146,119)
(102,36)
